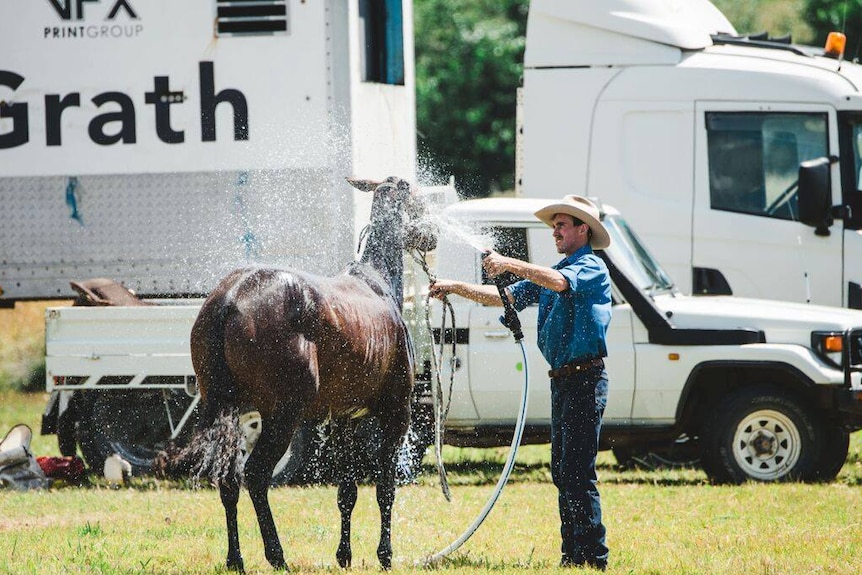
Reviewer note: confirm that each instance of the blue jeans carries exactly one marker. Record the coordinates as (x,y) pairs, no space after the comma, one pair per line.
(577,404)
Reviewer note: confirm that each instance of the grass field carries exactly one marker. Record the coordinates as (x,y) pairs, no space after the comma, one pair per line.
(659,522)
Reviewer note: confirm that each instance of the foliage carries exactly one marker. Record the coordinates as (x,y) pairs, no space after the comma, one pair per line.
(775,17)
(826,16)
(469,56)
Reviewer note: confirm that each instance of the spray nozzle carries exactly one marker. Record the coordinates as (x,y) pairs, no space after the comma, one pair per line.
(510,317)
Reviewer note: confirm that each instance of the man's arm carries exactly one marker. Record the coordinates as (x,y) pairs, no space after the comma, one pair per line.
(495,264)
(484,294)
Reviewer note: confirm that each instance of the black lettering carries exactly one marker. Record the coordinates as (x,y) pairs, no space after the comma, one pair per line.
(54,107)
(122,4)
(80,15)
(64,10)
(126,117)
(162,98)
(209,101)
(20,133)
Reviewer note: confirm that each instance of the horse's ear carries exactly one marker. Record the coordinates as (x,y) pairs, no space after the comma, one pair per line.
(363,185)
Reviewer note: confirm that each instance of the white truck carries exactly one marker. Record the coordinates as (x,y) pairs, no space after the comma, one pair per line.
(760,390)
(697,134)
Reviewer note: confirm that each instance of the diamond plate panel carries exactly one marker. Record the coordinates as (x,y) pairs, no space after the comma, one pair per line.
(168,234)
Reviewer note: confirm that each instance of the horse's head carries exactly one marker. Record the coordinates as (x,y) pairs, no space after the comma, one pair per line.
(402,198)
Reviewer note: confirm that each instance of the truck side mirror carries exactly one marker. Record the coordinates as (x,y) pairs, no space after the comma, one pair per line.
(815,194)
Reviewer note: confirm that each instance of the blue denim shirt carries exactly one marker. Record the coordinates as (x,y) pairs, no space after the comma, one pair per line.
(572,324)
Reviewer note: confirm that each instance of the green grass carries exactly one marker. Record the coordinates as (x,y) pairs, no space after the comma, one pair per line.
(659,522)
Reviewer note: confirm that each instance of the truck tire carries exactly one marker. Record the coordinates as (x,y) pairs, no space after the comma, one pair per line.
(299,464)
(132,424)
(420,436)
(833,452)
(760,434)
(67,423)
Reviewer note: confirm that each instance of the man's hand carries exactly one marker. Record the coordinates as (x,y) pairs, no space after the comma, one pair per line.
(494,263)
(441,288)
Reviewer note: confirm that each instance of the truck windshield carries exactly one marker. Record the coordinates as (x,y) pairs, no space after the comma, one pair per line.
(631,256)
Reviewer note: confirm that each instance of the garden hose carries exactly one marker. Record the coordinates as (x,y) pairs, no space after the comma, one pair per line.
(511,321)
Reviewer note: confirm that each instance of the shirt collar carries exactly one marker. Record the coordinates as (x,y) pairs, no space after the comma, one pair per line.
(584,250)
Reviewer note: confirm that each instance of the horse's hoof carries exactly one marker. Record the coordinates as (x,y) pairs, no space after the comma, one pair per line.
(343,560)
(279,564)
(235,565)
(385,558)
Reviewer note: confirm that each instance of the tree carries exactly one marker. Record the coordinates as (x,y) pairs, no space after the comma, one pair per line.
(776,17)
(826,16)
(469,62)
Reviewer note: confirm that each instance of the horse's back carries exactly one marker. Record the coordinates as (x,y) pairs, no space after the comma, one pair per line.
(338,342)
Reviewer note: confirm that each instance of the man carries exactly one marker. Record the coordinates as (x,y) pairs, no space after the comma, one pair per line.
(574,299)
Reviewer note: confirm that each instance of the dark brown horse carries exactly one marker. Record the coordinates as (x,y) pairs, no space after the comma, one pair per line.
(300,348)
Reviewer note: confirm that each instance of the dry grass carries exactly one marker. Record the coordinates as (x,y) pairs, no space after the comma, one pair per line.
(22,342)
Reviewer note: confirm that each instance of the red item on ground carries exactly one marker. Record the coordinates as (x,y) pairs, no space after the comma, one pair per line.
(68,468)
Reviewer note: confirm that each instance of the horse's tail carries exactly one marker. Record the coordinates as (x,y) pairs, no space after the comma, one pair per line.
(215,450)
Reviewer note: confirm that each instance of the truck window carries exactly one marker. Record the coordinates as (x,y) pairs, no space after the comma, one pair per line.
(382,36)
(511,242)
(754,159)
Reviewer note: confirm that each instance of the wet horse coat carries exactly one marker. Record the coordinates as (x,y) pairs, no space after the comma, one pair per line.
(300,347)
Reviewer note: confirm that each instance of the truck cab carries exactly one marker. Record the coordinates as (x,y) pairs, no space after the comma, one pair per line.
(702,137)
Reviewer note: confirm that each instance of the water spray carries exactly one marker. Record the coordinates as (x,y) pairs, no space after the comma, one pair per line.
(510,320)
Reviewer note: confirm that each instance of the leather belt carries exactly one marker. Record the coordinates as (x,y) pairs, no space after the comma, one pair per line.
(576,367)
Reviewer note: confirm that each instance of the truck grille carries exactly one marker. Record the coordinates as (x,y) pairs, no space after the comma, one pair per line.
(241,17)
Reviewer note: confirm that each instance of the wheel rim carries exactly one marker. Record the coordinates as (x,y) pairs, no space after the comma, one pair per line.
(252,425)
(135,431)
(767,445)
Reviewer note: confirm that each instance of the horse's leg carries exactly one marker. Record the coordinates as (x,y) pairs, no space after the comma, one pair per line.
(394,425)
(229,493)
(347,490)
(278,428)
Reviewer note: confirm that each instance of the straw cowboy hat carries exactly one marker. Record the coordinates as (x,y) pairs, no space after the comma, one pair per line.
(582,209)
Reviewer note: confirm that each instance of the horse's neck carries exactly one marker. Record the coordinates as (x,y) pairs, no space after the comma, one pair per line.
(383,253)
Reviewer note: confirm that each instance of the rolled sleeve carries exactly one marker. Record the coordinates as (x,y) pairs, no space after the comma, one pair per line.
(524,293)
(589,274)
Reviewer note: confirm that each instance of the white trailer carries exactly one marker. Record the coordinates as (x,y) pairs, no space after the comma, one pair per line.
(698,135)
(163,143)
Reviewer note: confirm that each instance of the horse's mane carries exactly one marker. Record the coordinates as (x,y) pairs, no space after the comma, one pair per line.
(370,276)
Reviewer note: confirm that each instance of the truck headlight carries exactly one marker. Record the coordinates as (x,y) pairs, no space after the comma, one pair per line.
(829,345)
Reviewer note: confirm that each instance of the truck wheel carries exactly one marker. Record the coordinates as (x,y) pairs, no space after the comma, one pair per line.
(420,436)
(134,425)
(298,465)
(292,468)
(760,434)
(833,453)
(67,423)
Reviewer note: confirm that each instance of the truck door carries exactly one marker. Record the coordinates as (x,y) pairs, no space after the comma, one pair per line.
(850,136)
(746,239)
(496,366)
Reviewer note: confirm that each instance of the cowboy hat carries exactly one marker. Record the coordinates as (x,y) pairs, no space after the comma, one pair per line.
(582,209)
